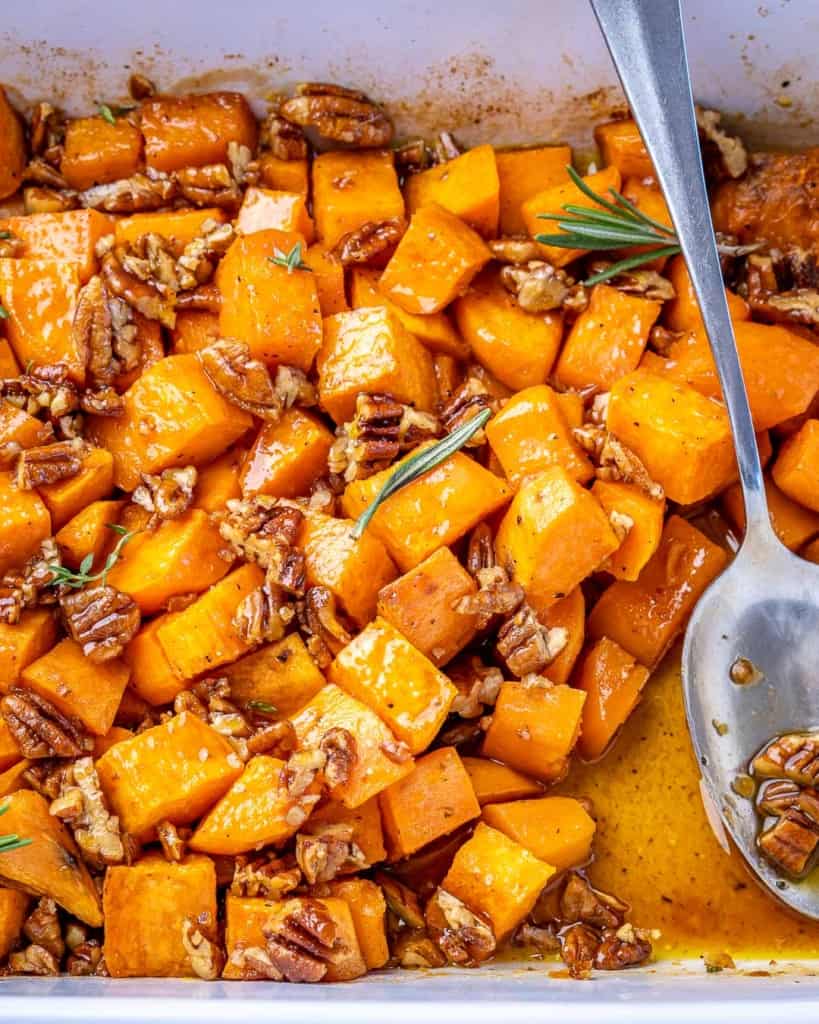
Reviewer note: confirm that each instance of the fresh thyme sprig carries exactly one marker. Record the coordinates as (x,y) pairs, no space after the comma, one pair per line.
(11,841)
(291,260)
(616,223)
(110,114)
(61,574)
(419,464)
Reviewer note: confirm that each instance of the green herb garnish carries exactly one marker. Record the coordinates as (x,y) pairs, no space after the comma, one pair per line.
(63,575)
(291,260)
(262,707)
(4,313)
(6,235)
(110,114)
(421,463)
(11,841)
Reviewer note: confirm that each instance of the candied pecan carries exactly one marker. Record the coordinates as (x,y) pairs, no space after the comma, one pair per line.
(497,595)
(791,842)
(46,131)
(243,168)
(302,770)
(648,283)
(82,804)
(481,550)
(542,938)
(46,777)
(411,156)
(46,464)
(726,150)
(794,755)
(262,616)
(30,586)
(470,399)
(34,959)
(103,401)
(797,305)
(267,876)
(196,264)
(49,200)
(140,87)
(244,381)
(626,947)
(276,738)
(324,854)
(166,495)
(614,461)
(213,702)
(525,645)
(204,953)
(660,339)
(414,948)
(578,948)
(580,902)
(85,959)
(325,633)
(136,194)
(42,388)
(139,295)
(293,387)
(211,185)
(92,333)
(514,249)
(205,297)
(172,840)
(778,796)
(463,937)
(538,286)
(479,686)
(40,729)
(341,755)
(621,523)
(302,940)
(264,530)
(101,619)
(252,963)
(369,241)
(285,141)
(42,172)
(401,901)
(343,115)
(151,259)
(42,927)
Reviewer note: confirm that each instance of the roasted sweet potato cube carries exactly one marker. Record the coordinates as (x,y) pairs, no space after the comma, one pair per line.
(436,798)
(116,734)
(646,616)
(423,605)
(177,227)
(51,864)
(621,146)
(193,130)
(568,613)
(25,523)
(344,961)
(522,174)
(535,727)
(40,297)
(182,556)
(612,681)
(202,637)
(284,175)
(368,909)
(88,532)
(435,509)
(281,674)
(365,822)
(95,480)
(328,273)
(793,523)
(467,186)
(287,456)
(244,920)
(351,189)
(13,910)
(353,570)
(273,310)
(175,772)
(682,438)
(373,769)
(557,829)
(9,367)
(21,430)
(25,642)
(531,433)
(147,906)
(796,470)
(255,812)
(496,783)
(190,422)
(434,262)
(552,200)
(264,208)
(12,148)
(682,313)
(607,339)
(517,347)
(382,669)
(96,152)
(13,779)
(10,753)
(153,678)
(77,687)
(218,482)
(70,236)
(554,534)
(369,351)
(497,878)
(640,515)
(194,329)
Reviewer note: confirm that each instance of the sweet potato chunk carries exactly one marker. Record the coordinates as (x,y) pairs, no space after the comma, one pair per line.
(467,186)
(517,347)
(287,456)
(372,770)
(253,813)
(13,909)
(9,367)
(190,422)
(556,829)
(10,753)
(191,131)
(522,174)
(534,728)
(382,669)
(612,681)
(51,864)
(434,262)
(682,313)
(96,151)
(12,148)
(621,146)
(496,783)
(77,686)
(146,908)
(21,430)
(796,470)
(175,772)
(281,674)
(351,189)
(531,433)
(95,480)
(285,175)
(792,522)
(553,535)
(568,613)
(423,605)
(365,822)
(497,878)
(25,523)
(264,208)
(88,532)
(641,516)
(369,351)
(328,273)
(645,616)
(244,920)
(682,438)
(71,236)
(435,799)
(368,909)
(153,678)
(12,778)
(25,642)
(434,510)
(218,482)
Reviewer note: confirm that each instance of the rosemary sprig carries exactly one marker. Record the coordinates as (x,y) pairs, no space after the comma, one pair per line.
(61,574)
(291,260)
(419,464)
(614,223)
(4,313)
(11,841)
(110,114)
(262,707)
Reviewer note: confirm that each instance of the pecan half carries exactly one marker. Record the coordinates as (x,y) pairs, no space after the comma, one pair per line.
(92,331)
(268,876)
(46,464)
(343,115)
(101,619)
(325,854)
(172,840)
(34,959)
(244,381)
(211,700)
(626,947)
(338,746)
(302,940)
(46,777)
(778,796)
(726,150)
(264,531)
(285,140)
(210,185)
(463,937)
(515,249)
(445,148)
(578,948)
(319,621)
(42,927)
(42,172)
(83,806)
(795,755)
(49,200)
(480,552)
(167,495)
(525,645)
(580,902)
(478,685)
(538,286)
(648,283)
(497,596)
(470,399)
(791,842)
(262,616)
(40,729)
(205,955)
(136,194)
(370,241)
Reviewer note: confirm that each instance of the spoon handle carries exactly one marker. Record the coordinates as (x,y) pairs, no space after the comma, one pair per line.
(647,44)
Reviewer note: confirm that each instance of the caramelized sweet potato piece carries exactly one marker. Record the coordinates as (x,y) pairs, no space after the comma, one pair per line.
(287,456)
(9,367)
(556,829)
(612,681)
(12,148)
(13,779)
(368,909)
(285,175)
(621,146)
(244,920)
(497,783)
(467,186)
(364,821)
(264,208)
(95,480)
(793,523)
(351,189)
(568,613)
(153,678)
(97,152)
(796,470)
(682,313)
(640,516)
(24,525)
(10,753)
(13,909)
(338,958)
(88,532)
(71,236)
(25,642)
(218,482)
(190,131)
(522,174)
(17,427)
(281,674)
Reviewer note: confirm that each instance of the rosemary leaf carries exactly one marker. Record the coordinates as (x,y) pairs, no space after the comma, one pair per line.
(419,464)
(4,313)
(290,260)
(5,235)
(263,707)
(106,113)
(11,841)
(630,263)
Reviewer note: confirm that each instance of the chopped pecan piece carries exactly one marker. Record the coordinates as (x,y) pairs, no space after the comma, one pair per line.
(580,902)
(167,495)
(396,750)
(293,387)
(303,941)
(778,796)
(83,806)
(661,339)
(172,840)
(769,302)
(30,586)
(104,401)
(614,461)
(481,550)
(626,947)
(46,777)
(42,927)
(462,936)
(416,949)
(514,249)
(542,938)
(445,148)
(327,853)
(43,388)
(262,616)
(101,619)
(728,150)
(715,963)
(578,948)
(369,241)
(411,156)
(648,283)
(538,286)
(276,738)
(140,295)
(795,755)
(480,689)
(343,115)
(206,956)
(264,530)
(92,331)
(34,959)
(47,132)
(42,172)
(85,960)
(211,700)
(285,141)
(40,729)
(525,645)
(470,399)
(269,877)
(341,755)
(791,842)
(244,381)
(497,596)
(211,185)
(401,901)
(136,194)
(48,463)
(302,770)
(198,260)
(325,633)
(49,200)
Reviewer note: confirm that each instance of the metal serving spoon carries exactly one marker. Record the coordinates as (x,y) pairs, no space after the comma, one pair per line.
(765,606)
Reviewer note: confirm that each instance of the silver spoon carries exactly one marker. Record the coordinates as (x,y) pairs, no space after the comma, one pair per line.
(765,606)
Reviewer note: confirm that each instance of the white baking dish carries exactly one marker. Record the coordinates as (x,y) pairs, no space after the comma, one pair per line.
(506,72)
